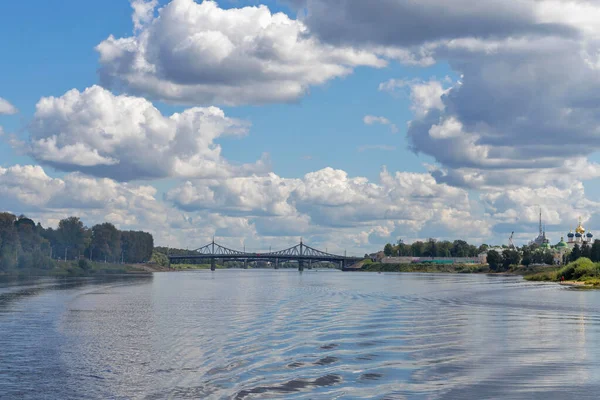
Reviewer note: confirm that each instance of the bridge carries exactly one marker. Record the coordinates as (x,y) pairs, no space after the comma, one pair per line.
(299,253)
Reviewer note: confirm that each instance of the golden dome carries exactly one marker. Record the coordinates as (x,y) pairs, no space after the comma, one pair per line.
(580,228)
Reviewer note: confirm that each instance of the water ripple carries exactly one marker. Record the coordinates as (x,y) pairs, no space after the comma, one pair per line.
(280,334)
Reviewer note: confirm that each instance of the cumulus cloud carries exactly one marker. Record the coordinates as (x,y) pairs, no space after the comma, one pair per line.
(255,195)
(424,96)
(526,100)
(404,23)
(7,108)
(29,189)
(199,53)
(326,200)
(143,12)
(126,138)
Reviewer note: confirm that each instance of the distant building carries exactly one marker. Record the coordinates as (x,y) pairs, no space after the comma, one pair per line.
(541,240)
(579,237)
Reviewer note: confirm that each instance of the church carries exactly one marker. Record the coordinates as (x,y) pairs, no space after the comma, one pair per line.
(579,237)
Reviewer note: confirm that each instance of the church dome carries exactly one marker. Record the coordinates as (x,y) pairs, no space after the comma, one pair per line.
(578,235)
(590,235)
(571,234)
(562,244)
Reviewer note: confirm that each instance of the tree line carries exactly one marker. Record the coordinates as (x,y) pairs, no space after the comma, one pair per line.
(434,248)
(25,244)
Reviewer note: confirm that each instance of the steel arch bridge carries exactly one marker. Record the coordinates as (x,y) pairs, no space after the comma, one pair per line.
(300,253)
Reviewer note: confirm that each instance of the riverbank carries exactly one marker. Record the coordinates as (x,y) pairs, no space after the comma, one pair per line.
(580,273)
(86,268)
(427,268)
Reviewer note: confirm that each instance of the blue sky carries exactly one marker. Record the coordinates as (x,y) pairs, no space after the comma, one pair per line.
(467,106)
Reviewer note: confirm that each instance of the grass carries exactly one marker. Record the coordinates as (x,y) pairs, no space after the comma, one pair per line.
(429,268)
(194,266)
(582,271)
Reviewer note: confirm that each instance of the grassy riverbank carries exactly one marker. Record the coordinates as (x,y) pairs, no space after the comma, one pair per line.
(428,268)
(85,268)
(581,272)
(183,267)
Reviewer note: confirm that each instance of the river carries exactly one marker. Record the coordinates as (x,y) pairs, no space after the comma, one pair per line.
(247,334)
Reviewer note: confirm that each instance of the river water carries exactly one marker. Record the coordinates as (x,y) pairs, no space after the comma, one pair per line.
(248,334)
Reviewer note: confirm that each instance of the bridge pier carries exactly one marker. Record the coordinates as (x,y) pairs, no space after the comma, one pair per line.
(277,263)
(300,265)
(213,265)
(309,264)
(246,264)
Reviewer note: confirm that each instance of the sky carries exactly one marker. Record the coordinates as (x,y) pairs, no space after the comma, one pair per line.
(347,124)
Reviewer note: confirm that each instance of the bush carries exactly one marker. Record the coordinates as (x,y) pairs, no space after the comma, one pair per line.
(578,269)
(84,264)
(159,259)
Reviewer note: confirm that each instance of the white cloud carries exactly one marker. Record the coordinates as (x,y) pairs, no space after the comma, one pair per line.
(143,12)
(199,53)
(528,88)
(127,138)
(327,201)
(254,196)
(424,96)
(7,108)
(372,119)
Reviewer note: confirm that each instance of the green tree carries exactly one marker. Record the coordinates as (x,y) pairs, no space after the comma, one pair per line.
(431,248)
(387,250)
(71,238)
(586,250)
(527,256)
(510,257)
(595,256)
(460,248)
(417,249)
(494,259)
(403,249)
(575,253)
(10,245)
(106,242)
(548,258)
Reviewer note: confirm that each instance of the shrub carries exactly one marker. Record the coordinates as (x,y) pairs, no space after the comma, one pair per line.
(576,269)
(159,259)
(84,264)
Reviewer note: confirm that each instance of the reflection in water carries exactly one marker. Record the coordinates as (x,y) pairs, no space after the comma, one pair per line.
(280,334)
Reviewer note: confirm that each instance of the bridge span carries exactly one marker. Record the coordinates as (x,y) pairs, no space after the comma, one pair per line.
(300,253)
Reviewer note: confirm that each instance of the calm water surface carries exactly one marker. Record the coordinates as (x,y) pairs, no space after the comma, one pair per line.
(282,334)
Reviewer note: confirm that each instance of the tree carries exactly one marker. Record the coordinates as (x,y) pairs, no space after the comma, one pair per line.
(387,250)
(106,242)
(510,257)
(575,253)
(403,249)
(527,256)
(586,250)
(10,245)
(548,258)
(595,256)
(71,237)
(417,249)
(494,259)
(136,246)
(460,248)
(431,248)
